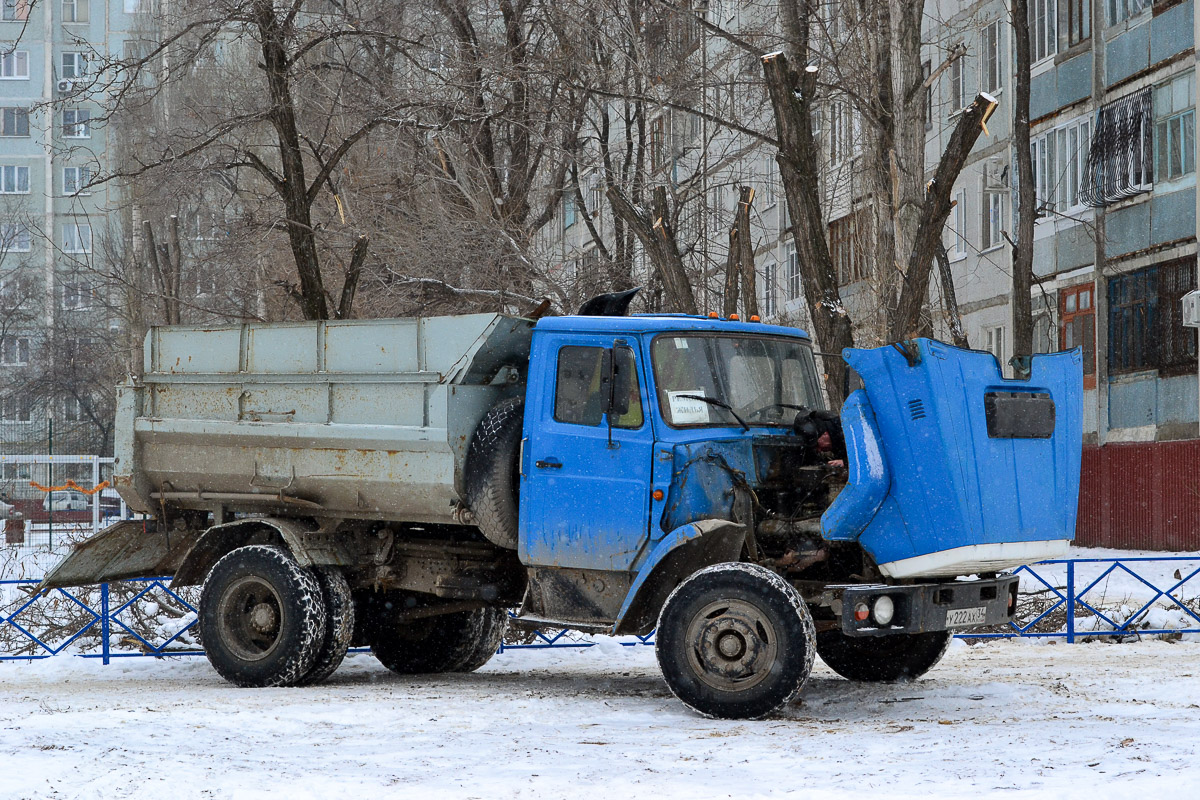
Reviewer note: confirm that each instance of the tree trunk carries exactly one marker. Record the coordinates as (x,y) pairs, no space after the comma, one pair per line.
(658,238)
(746,253)
(950,299)
(293,187)
(729,302)
(915,289)
(791,97)
(1026,191)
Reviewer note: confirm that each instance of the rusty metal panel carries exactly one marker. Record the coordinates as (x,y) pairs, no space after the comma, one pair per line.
(1141,496)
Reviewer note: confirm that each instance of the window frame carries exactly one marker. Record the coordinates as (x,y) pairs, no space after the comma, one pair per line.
(991,58)
(77,124)
(16,113)
(21,348)
(78,226)
(16,172)
(1043,30)
(74,17)
(9,63)
(12,231)
(82,176)
(637,386)
(991,219)
(1071,308)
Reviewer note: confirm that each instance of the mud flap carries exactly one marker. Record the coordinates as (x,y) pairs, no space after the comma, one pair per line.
(126,549)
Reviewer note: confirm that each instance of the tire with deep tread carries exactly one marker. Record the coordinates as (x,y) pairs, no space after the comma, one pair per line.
(460,642)
(493,472)
(882,659)
(339,625)
(735,641)
(262,617)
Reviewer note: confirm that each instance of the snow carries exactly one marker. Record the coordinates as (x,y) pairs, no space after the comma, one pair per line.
(1002,718)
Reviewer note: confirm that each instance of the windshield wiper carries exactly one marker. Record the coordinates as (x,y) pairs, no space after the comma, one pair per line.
(712,401)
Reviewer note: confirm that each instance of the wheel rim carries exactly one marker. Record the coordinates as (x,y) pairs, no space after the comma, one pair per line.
(732,645)
(250,616)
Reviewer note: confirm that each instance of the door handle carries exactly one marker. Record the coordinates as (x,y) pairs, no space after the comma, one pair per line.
(548,464)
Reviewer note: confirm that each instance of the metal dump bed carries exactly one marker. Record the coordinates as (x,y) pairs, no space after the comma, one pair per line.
(357,418)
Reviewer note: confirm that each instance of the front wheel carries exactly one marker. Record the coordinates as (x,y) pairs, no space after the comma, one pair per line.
(882,659)
(735,641)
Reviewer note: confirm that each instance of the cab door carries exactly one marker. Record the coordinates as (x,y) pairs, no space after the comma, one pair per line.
(585,482)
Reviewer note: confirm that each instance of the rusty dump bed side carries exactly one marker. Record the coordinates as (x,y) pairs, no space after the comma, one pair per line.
(345,419)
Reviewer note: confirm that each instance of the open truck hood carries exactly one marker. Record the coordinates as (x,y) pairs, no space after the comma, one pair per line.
(953,468)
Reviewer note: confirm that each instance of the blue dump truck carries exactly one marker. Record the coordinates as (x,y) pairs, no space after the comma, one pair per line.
(400,484)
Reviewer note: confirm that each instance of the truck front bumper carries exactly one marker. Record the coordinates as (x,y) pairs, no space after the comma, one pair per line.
(924,607)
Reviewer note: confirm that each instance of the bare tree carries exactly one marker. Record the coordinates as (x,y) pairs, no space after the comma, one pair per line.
(1026,192)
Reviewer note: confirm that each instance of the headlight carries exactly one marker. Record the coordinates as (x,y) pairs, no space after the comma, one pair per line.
(883,610)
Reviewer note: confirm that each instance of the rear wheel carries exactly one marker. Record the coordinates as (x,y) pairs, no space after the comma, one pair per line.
(460,642)
(339,625)
(262,617)
(882,659)
(735,641)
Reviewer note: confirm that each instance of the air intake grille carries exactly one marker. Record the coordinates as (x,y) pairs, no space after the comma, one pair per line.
(916,409)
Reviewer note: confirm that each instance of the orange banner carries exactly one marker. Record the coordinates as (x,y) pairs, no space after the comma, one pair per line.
(69,485)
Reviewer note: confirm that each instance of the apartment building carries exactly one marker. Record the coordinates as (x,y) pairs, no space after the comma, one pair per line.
(54,221)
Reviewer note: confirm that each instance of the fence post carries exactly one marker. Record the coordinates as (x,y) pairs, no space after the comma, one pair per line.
(1070,602)
(104,650)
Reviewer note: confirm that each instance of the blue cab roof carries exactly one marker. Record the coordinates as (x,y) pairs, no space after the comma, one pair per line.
(656,323)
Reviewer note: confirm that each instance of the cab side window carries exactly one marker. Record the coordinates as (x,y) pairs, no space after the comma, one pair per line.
(582,382)
(577,390)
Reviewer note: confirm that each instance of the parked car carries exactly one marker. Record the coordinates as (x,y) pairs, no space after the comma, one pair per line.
(67,500)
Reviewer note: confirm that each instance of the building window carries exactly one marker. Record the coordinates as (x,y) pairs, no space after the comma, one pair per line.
(846,238)
(75,10)
(74,65)
(1175,128)
(658,143)
(16,9)
(1119,162)
(991,58)
(77,123)
(770,297)
(1077,310)
(14,122)
(1079,21)
(957,101)
(15,238)
(1124,9)
(73,410)
(1043,28)
(1060,160)
(14,351)
(77,237)
(843,126)
(926,71)
(994,343)
(76,179)
(14,180)
(14,66)
(568,208)
(15,408)
(1145,323)
(77,296)
(793,274)
(991,220)
(958,226)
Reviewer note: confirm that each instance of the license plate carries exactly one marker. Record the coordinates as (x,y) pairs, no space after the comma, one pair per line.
(959,617)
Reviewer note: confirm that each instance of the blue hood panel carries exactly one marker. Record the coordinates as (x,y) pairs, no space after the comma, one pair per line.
(948,483)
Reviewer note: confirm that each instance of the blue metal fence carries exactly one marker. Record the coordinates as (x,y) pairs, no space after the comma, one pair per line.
(1051,587)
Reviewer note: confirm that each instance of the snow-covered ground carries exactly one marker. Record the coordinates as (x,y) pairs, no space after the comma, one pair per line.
(1013,719)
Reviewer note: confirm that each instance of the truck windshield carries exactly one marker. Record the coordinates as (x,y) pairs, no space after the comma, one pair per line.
(764,379)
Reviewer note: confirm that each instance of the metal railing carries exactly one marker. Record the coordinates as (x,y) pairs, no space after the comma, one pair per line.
(1081,600)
